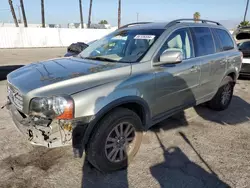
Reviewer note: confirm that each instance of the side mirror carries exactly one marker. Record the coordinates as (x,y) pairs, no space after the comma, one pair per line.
(170,57)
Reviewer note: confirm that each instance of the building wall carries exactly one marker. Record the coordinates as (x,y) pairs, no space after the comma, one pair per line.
(47,37)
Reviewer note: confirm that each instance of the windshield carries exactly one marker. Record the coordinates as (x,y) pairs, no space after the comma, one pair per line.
(122,46)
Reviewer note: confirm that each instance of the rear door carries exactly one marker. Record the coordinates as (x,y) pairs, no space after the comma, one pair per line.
(218,69)
(228,46)
(211,62)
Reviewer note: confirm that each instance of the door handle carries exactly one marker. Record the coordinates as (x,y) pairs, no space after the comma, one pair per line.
(194,68)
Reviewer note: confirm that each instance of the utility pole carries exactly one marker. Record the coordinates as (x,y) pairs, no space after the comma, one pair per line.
(81,17)
(42,13)
(119,14)
(13,13)
(90,11)
(23,12)
(246,11)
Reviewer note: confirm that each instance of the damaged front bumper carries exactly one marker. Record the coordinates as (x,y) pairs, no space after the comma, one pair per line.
(41,131)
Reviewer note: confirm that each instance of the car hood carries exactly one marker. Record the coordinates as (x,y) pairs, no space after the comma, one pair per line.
(65,76)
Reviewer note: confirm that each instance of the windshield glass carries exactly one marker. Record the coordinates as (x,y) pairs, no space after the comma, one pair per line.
(122,46)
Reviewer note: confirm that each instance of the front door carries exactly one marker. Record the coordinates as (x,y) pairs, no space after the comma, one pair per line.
(176,84)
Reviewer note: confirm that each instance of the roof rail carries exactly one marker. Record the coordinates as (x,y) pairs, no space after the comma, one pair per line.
(132,24)
(190,19)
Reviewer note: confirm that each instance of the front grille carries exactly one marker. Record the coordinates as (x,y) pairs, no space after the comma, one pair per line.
(15,96)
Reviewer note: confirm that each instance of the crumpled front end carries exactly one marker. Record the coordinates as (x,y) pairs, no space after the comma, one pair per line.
(41,131)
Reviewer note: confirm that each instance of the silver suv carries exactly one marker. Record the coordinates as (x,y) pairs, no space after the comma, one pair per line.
(121,85)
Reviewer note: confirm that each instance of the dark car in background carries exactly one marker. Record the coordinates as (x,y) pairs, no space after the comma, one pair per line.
(75,48)
(242,37)
(244,47)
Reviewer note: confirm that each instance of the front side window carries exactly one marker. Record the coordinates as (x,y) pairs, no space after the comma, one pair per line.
(179,40)
(226,40)
(122,46)
(203,41)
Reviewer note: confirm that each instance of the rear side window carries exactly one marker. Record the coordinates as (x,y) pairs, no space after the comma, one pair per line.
(203,41)
(225,39)
(218,46)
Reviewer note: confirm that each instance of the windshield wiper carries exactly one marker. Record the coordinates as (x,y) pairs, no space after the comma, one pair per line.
(100,58)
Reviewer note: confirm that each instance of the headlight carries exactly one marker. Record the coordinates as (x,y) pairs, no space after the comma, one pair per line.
(52,107)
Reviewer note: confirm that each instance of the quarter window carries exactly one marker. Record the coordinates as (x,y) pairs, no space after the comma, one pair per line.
(226,40)
(179,40)
(217,42)
(203,41)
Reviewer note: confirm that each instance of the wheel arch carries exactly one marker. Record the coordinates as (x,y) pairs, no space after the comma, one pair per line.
(232,74)
(134,103)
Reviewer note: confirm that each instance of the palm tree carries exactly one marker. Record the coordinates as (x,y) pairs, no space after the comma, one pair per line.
(42,12)
(103,22)
(246,11)
(119,13)
(23,12)
(244,24)
(81,17)
(13,13)
(197,16)
(90,11)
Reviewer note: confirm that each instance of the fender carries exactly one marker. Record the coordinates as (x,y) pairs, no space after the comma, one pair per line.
(124,100)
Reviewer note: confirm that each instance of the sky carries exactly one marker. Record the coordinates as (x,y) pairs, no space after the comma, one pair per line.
(67,11)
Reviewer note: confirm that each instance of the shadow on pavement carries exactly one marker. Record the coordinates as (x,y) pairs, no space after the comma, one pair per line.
(95,179)
(173,122)
(237,112)
(178,171)
(5,70)
(30,169)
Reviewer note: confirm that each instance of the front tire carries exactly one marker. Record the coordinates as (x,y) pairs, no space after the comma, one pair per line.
(116,140)
(224,95)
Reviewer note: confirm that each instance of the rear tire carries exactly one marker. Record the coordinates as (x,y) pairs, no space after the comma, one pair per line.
(224,95)
(115,141)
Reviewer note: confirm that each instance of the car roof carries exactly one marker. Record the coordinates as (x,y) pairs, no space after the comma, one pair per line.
(165,25)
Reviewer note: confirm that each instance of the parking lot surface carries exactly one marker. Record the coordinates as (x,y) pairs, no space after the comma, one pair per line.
(196,148)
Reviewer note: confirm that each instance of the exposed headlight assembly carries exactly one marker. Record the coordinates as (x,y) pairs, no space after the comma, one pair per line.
(53,107)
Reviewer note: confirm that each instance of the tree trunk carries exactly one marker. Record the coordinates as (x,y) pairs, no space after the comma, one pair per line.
(119,14)
(246,11)
(81,17)
(13,13)
(23,12)
(90,11)
(42,13)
